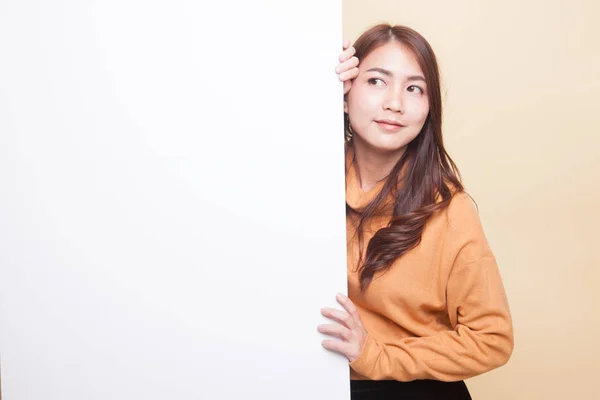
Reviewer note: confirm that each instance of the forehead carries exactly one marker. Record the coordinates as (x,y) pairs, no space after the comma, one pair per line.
(395,57)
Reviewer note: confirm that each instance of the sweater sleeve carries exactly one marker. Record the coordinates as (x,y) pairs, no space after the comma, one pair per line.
(481,337)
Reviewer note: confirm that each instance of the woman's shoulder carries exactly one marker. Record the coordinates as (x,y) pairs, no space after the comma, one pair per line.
(461,212)
(463,220)
(460,225)
(462,209)
(459,198)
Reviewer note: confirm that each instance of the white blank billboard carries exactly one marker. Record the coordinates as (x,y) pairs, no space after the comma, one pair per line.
(171,199)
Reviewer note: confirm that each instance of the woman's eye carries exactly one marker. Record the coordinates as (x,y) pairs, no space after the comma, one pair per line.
(413,88)
(376,81)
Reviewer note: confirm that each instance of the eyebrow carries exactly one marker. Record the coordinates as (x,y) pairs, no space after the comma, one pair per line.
(390,74)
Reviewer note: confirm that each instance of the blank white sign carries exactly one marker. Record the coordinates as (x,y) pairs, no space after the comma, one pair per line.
(172,199)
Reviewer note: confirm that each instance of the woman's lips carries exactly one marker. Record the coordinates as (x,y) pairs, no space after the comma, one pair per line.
(389,126)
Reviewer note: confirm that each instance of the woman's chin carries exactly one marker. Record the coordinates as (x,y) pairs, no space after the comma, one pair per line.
(384,145)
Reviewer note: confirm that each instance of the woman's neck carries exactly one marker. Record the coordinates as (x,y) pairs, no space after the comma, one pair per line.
(373,165)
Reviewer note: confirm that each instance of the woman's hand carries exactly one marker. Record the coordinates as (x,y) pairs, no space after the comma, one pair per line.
(350,329)
(347,68)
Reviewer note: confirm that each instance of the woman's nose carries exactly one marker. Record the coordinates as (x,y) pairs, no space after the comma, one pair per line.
(394,100)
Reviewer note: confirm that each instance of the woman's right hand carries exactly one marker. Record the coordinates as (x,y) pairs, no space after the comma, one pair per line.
(347,69)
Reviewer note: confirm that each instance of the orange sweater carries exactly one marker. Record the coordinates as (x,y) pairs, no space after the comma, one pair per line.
(440,312)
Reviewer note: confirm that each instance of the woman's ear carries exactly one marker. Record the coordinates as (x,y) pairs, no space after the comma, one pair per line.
(345,105)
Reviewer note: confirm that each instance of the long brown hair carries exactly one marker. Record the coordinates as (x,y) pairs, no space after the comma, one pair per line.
(424,179)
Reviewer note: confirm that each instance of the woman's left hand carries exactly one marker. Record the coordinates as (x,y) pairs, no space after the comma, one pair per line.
(347,69)
(350,329)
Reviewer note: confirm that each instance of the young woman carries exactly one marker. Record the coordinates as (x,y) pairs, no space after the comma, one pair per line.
(426,306)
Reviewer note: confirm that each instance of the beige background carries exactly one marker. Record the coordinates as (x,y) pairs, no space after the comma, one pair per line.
(522,121)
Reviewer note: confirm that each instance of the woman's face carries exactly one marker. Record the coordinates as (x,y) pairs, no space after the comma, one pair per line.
(387,102)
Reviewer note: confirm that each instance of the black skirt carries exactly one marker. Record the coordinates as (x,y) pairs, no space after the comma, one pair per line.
(415,390)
